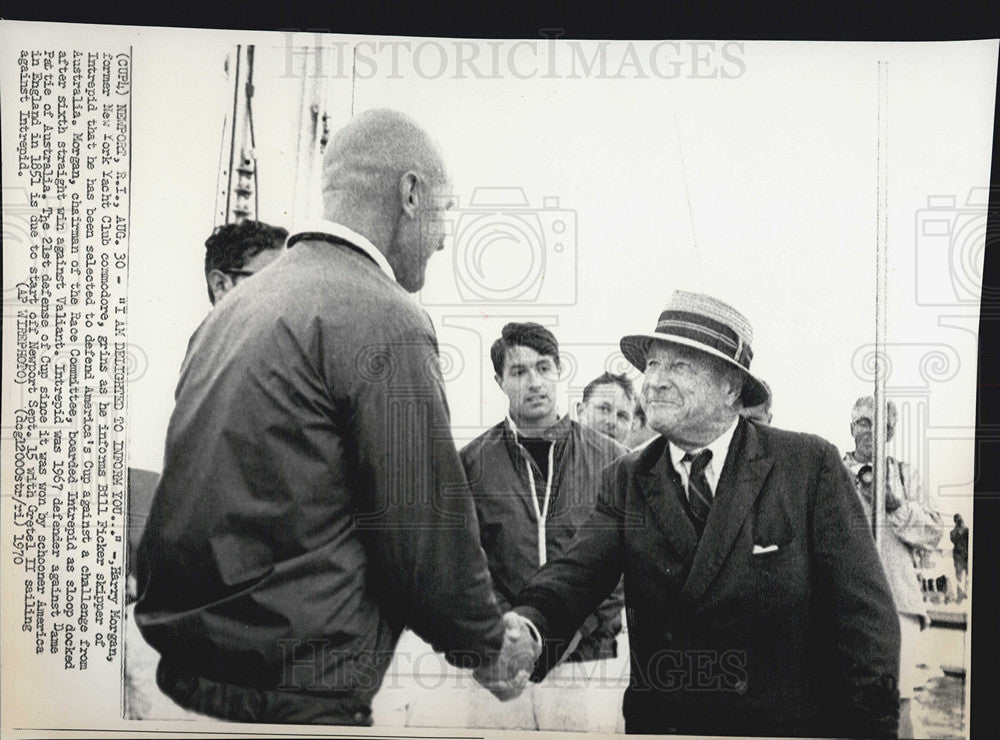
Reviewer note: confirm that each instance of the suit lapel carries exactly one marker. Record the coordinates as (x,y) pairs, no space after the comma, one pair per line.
(743,475)
(659,488)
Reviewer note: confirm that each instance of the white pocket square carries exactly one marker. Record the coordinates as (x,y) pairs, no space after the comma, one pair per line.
(758,550)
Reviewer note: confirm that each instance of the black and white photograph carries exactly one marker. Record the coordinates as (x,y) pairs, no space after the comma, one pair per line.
(477,386)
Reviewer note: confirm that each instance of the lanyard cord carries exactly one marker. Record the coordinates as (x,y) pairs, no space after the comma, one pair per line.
(541,514)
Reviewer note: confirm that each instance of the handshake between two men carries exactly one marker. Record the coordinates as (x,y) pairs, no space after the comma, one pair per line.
(510,670)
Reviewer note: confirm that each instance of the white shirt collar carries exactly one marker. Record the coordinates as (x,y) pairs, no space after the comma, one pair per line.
(339,230)
(719,448)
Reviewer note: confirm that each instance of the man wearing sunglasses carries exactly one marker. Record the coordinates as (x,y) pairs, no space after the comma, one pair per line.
(234,252)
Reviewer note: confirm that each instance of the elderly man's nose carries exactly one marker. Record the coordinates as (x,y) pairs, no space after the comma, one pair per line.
(660,378)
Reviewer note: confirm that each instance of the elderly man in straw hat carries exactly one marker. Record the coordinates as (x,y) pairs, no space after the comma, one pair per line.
(755,599)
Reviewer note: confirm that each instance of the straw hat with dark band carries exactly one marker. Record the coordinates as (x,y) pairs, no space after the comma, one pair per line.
(707,324)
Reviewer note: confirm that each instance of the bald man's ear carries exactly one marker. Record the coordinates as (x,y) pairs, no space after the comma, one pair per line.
(219,284)
(409,193)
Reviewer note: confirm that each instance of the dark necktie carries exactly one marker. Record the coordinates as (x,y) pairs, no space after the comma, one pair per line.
(699,492)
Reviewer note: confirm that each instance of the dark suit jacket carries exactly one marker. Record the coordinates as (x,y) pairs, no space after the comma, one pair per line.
(803,639)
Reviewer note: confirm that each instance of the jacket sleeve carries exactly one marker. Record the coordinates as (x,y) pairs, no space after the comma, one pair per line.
(915,521)
(864,619)
(469,462)
(559,598)
(418,519)
(599,630)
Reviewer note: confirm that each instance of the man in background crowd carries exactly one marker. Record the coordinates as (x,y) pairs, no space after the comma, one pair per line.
(608,406)
(535,478)
(960,555)
(312,503)
(912,526)
(236,251)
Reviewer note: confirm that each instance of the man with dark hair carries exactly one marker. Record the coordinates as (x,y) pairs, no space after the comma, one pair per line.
(528,334)
(312,502)
(755,598)
(535,478)
(237,251)
(608,406)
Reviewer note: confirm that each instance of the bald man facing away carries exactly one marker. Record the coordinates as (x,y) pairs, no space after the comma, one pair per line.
(312,503)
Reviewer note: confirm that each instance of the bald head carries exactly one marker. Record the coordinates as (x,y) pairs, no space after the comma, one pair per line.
(384,177)
(370,154)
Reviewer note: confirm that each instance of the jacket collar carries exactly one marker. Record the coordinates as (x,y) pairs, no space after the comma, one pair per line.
(648,455)
(322,226)
(559,434)
(555,433)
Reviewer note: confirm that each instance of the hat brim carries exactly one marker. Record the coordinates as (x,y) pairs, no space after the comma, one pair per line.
(636,346)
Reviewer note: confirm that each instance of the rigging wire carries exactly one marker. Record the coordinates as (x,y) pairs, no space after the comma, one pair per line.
(354,77)
(232,135)
(687,193)
(253,141)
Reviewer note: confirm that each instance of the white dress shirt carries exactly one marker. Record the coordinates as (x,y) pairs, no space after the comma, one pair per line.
(342,232)
(719,448)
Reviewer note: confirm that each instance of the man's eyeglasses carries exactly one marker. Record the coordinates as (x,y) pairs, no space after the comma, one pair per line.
(239,273)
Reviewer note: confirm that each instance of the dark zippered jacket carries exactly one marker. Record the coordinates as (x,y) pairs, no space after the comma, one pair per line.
(312,502)
(497,468)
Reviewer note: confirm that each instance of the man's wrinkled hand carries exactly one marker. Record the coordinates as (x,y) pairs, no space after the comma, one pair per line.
(508,674)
